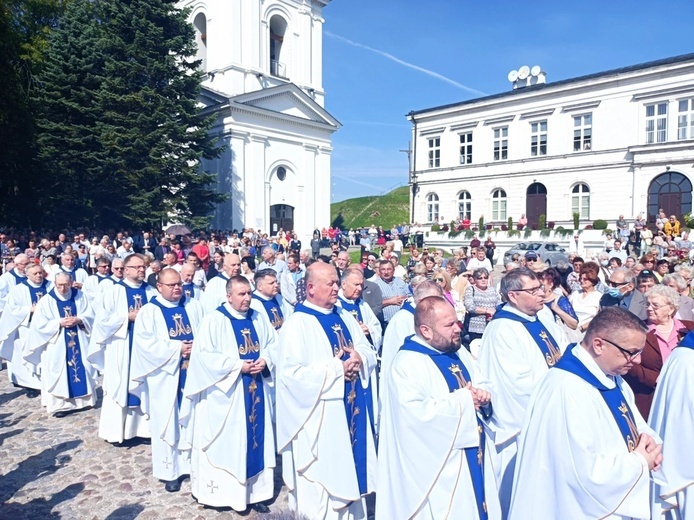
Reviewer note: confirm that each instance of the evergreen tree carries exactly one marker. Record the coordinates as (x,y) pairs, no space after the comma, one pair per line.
(151,127)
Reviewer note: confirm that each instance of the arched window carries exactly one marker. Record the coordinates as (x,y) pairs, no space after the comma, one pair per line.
(278,28)
(432,207)
(580,200)
(464,205)
(671,191)
(200,25)
(498,205)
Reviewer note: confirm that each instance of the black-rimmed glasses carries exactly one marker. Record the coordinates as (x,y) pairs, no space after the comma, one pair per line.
(628,353)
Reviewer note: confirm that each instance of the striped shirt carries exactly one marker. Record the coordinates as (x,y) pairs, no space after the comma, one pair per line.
(396,287)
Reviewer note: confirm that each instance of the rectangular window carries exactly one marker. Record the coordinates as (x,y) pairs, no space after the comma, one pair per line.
(581,204)
(435,152)
(501,143)
(499,209)
(466,148)
(538,138)
(685,119)
(583,132)
(656,123)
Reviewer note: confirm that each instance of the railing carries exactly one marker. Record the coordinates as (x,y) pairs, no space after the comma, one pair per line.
(277,69)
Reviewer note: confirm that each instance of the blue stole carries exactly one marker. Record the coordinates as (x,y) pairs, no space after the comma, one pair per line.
(17,279)
(71,273)
(36,293)
(178,323)
(546,343)
(101,278)
(408,307)
(614,399)
(687,341)
(273,310)
(76,375)
(136,299)
(354,397)
(188,290)
(253,391)
(457,376)
(355,310)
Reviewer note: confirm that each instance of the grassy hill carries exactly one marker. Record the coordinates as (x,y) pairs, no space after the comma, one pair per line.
(381,210)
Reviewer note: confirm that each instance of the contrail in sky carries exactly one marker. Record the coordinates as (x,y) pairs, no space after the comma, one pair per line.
(406,64)
(357,182)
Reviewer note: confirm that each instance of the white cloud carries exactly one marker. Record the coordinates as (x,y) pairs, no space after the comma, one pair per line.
(405,63)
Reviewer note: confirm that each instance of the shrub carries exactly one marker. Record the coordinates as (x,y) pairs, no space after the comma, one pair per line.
(436,228)
(527,232)
(599,224)
(577,219)
(509,223)
(481,222)
(544,232)
(542,222)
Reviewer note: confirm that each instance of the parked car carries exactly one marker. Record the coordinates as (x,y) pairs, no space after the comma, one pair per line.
(550,253)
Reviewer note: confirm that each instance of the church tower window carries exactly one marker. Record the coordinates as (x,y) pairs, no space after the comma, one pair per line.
(278,51)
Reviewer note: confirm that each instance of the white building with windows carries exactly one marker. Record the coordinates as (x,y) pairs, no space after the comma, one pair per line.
(614,143)
(263,82)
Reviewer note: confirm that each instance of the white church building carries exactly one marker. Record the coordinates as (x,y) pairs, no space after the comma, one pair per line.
(619,142)
(263,81)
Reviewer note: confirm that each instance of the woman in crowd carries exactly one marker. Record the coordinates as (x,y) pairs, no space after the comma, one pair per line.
(430,265)
(662,267)
(586,302)
(556,301)
(459,282)
(573,280)
(480,303)
(443,280)
(248,269)
(664,334)
(32,251)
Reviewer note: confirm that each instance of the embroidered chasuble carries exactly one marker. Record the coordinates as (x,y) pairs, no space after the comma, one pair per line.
(355,399)
(17,278)
(408,307)
(457,376)
(253,391)
(76,375)
(273,311)
(101,278)
(188,290)
(178,324)
(36,293)
(614,399)
(354,309)
(544,340)
(136,298)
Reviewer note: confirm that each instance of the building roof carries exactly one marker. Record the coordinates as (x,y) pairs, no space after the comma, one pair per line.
(541,86)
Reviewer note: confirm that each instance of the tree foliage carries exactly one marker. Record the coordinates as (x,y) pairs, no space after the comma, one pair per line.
(121,135)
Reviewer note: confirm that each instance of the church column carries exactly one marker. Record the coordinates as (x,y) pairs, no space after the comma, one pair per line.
(238,169)
(323,195)
(266,217)
(256,204)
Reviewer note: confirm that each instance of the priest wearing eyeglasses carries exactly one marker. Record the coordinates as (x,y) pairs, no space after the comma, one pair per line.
(519,345)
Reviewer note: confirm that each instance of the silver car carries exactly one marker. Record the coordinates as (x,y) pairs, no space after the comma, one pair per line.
(550,253)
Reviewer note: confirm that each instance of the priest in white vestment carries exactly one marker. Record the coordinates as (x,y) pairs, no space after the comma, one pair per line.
(109,351)
(163,338)
(268,300)
(12,277)
(216,288)
(518,346)
(349,298)
(434,458)
(117,274)
(14,328)
(323,433)
(585,451)
(91,286)
(57,341)
(226,410)
(190,289)
(67,265)
(672,418)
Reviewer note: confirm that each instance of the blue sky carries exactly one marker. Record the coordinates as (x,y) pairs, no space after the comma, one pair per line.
(383,58)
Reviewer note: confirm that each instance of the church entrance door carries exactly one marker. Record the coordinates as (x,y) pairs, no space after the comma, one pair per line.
(281,217)
(535,203)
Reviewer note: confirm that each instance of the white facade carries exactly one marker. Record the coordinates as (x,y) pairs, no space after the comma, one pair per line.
(263,64)
(614,143)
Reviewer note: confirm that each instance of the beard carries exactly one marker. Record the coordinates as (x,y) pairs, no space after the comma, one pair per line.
(443,344)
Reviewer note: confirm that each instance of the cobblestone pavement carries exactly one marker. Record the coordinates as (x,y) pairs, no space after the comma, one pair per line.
(59,468)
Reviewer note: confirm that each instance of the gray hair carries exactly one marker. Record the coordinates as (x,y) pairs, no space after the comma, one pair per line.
(629,276)
(416,280)
(513,281)
(425,289)
(479,271)
(351,271)
(271,249)
(235,280)
(64,275)
(684,270)
(668,293)
(678,279)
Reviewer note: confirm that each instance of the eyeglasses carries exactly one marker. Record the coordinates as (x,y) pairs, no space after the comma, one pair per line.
(616,284)
(532,290)
(531,259)
(439,280)
(481,277)
(118,268)
(654,306)
(628,353)
(138,267)
(170,285)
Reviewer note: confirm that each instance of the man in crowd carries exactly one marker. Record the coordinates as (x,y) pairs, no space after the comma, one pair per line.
(519,345)
(162,249)
(327,445)
(125,250)
(267,300)
(57,343)
(341,262)
(432,452)
(110,348)
(91,286)
(290,278)
(12,277)
(479,260)
(270,261)
(163,339)
(622,293)
(585,451)
(394,290)
(14,328)
(618,252)
(155,268)
(231,465)
(672,418)
(215,291)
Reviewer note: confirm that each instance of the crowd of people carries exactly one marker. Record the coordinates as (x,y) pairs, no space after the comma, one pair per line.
(445,387)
